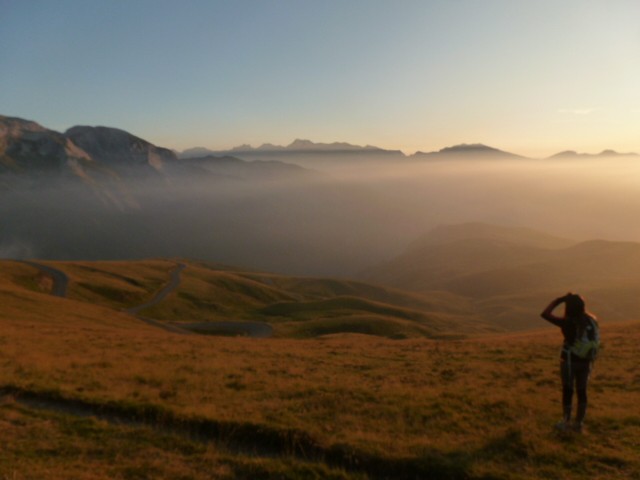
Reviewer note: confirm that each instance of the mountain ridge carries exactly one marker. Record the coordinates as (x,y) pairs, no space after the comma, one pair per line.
(83,138)
(93,154)
(572,154)
(508,278)
(463,149)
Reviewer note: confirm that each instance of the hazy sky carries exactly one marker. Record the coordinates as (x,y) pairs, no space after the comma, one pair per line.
(529,76)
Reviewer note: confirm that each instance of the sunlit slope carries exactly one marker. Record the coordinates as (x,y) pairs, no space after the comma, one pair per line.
(508,279)
(115,284)
(298,306)
(25,300)
(294,306)
(474,409)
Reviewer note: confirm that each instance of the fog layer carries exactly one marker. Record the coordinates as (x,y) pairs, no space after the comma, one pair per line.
(317,223)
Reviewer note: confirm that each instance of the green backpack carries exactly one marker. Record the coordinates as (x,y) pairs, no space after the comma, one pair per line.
(587,339)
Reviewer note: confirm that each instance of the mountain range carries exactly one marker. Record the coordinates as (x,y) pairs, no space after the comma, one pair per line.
(298,146)
(103,193)
(94,153)
(308,148)
(99,155)
(571,154)
(27,147)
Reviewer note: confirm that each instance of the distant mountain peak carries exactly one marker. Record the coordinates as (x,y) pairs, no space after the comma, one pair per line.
(300,144)
(244,146)
(465,147)
(603,153)
(13,125)
(269,146)
(114,146)
(195,152)
(469,149)
(27,147)
(613,153)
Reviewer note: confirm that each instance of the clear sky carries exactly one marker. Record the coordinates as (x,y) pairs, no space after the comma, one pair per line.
(529,76)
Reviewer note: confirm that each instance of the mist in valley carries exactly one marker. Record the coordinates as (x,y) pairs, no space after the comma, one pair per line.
(335,222)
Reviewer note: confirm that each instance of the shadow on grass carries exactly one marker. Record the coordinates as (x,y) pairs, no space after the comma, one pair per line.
(264,441)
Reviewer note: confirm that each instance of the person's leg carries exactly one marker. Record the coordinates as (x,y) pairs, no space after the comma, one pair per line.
(582,372)
(566,373)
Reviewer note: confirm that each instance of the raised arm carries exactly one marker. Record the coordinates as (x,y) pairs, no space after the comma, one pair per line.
(548,315)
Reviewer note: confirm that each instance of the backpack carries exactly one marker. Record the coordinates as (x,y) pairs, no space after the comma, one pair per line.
(587,339)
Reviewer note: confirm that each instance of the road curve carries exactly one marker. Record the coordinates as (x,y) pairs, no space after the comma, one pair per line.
(60,279)
(174,282)
(250,329)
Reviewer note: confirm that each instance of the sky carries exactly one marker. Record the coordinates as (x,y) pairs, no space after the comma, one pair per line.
(533,77)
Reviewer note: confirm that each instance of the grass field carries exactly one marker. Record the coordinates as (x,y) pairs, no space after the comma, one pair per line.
(295,306)
(338,406)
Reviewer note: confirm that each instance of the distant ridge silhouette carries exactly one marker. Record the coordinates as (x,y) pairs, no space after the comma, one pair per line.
(572,154)
(465,150)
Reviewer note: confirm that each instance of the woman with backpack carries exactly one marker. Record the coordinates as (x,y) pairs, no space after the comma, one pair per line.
(581,341)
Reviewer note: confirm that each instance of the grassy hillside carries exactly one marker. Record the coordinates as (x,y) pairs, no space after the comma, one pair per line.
(343,406)
(25,301)
(294,306)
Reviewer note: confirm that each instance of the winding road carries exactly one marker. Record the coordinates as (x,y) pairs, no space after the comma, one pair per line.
(174,282)
(60,279)
(250,329)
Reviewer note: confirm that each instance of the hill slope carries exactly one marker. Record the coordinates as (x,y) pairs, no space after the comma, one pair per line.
(293,306)
(450,251)
(76,396)
(509,275)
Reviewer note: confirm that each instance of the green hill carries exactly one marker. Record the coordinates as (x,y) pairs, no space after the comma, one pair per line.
(292,306)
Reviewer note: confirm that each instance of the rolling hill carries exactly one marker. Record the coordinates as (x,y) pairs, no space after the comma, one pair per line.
(297,307)
(508,275)
(450,251)
(90,392)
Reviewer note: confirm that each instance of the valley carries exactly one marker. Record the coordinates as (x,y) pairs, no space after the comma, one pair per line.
(339,316)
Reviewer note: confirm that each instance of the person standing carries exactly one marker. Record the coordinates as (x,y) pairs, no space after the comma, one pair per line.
(581,340)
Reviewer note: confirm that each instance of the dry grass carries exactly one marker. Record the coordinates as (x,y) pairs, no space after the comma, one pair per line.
(42,445)
(296,307)
(115,284)
(478,408)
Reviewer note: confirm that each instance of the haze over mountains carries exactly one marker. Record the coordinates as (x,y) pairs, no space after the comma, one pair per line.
(506,275)
(103,193)
(301,147)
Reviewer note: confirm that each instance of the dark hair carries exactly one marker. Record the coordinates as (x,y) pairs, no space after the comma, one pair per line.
(574,305)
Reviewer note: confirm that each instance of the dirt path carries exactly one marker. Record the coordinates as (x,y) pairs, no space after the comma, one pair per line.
(242,438)
(60,279)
